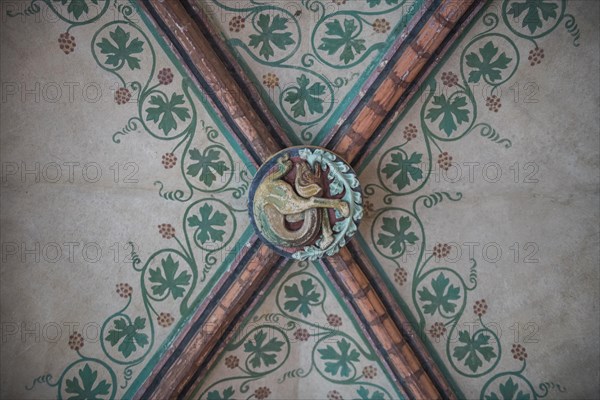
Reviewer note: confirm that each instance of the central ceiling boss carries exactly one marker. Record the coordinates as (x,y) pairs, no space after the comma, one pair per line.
(305,203)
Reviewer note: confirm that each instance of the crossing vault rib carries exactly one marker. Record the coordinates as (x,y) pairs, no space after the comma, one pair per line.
(190,31)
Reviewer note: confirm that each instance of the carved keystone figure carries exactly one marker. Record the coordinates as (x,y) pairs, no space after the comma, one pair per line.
(290,203)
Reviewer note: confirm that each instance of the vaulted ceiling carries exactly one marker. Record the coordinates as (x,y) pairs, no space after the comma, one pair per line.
(132,131)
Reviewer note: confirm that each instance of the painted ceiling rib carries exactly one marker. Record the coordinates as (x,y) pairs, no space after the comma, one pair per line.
(214,38)
(208,328)
(416,86)
(412,377)
(407,331)
(406,69)
(229,333)
(200,56)
(406,38)
(238,325)
(209,59)
(370,86)
(169,320)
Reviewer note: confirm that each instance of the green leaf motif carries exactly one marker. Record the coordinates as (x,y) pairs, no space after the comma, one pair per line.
(363,392)
(508,391)
(342,361)
(443,296)
(398,236)
(120,51)
(206,224)
(473,347)
(269,34)
(453,112)
(206,165)
(261,352)
(303,96)
(301,300)
(77,7)
(536,11)
(407,169)
(166,111)
(170,281)
(487,66)
(86,389)
(343,37)
(129,335)
(215,395)
(373,3)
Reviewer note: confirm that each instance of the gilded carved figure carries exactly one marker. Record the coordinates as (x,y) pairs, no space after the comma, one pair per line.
(291,202)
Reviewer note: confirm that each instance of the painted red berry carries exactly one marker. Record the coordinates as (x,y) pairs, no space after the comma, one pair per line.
(518,352)
(301,335)
(166,231)
(232,362)
(437,330)
(169,160)
(441,250)
(410,132)
(165,319)
(165,76)
(480,307)
(122,96)
(334,320)
(66,42)
(75,341)
(449,79)
(124,290)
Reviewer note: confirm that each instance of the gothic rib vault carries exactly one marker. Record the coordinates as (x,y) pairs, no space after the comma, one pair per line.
(388,85)
(433,25)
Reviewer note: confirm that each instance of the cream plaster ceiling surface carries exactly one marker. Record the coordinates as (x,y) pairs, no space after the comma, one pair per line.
(309,59)
(84,178)
(512,208)
(119,228)
(300,342)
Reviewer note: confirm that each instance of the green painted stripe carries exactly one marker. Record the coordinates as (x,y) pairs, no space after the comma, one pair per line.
(160,350)
(350,96)
(360,168)
(196,90)
(332,290)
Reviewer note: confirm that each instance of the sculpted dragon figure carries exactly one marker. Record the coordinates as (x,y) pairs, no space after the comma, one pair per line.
(277,203)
